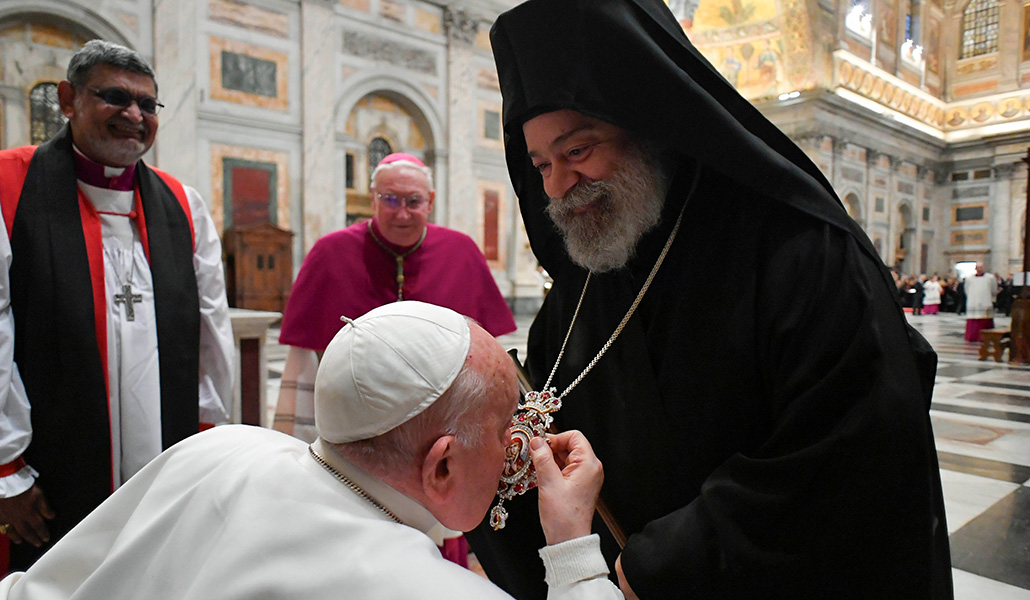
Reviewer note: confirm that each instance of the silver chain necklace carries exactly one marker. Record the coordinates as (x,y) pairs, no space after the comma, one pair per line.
(534,417)
(357,489)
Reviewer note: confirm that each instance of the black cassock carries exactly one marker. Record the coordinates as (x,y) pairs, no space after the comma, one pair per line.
(763,418)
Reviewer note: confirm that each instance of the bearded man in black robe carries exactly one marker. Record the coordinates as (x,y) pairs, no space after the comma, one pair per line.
(762,415)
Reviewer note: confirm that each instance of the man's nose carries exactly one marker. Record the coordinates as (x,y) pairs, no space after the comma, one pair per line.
(560,180)
(133,112)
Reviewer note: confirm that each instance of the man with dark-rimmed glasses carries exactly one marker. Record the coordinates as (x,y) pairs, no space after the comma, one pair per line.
(114,287)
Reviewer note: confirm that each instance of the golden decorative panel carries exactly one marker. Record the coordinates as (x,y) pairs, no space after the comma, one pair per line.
(361,5)
(976,237)
(975,88)
(263,71)
(976,65)
(428,21)
(52,36)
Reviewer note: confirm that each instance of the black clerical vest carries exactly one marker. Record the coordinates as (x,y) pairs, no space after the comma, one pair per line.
(56,347)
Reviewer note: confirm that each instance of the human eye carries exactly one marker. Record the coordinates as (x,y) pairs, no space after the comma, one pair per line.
(541,167)
(578,152)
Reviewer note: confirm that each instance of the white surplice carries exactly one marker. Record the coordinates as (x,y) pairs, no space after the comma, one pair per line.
(133,370)
(242,512)
(980,294)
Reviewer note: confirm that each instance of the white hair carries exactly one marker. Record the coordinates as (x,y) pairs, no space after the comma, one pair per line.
(397,164)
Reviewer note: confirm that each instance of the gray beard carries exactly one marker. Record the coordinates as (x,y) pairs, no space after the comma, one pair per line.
(626,206)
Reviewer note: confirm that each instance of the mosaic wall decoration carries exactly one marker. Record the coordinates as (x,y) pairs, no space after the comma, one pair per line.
(762,48)
(246,74)
(885,90)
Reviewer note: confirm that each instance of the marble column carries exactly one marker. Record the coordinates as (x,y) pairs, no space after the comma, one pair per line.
(321,211)
(999,227)
(464,207)
(175,62)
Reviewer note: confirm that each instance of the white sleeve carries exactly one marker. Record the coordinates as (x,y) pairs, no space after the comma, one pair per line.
(15,425)
(217,348)
(575,570)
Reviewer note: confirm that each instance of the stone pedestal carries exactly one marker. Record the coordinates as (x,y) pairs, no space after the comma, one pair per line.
(250,329)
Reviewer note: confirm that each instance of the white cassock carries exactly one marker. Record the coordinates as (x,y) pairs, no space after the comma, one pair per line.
(241,512)
(980,294)
(132,354)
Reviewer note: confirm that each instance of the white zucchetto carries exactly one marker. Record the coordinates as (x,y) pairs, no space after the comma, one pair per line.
(387,366)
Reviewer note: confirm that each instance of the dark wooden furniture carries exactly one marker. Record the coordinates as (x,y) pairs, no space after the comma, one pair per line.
(258,266)
(993,342)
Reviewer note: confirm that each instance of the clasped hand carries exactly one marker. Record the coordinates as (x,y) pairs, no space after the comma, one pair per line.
(569,477)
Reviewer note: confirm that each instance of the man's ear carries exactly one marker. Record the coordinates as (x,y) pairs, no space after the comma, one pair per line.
(439,480)
(66,98)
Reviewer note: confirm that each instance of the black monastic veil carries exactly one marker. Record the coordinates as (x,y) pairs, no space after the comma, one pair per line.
(763,418)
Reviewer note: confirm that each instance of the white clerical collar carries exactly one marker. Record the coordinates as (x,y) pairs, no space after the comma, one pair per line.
(407,509)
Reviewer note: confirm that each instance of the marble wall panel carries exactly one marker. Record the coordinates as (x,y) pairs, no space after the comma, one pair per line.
(249,16)
(247,74)
(219,152)
(428,21)
(969,214)
(361,5)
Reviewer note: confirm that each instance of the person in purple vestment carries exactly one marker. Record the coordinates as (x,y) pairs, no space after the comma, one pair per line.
(395,255)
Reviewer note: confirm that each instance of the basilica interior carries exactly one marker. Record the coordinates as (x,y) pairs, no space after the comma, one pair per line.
(916,111)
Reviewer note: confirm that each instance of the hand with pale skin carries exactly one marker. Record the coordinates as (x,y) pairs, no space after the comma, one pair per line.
(25,513)
(569,477)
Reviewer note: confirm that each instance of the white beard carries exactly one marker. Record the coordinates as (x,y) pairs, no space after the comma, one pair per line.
(625,207)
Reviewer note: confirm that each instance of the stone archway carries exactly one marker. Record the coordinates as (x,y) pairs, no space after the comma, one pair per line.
(42,38)
(905,251)
(853,206)
(381,119)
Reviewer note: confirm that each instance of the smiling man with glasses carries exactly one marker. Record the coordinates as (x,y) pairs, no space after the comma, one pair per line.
(102,332)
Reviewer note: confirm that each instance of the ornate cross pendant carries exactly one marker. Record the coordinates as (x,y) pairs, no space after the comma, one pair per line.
(129,300)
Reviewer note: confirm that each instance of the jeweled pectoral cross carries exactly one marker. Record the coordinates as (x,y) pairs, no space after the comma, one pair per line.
(129,300)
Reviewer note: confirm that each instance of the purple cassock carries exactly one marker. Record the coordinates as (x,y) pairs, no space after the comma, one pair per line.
(348,274)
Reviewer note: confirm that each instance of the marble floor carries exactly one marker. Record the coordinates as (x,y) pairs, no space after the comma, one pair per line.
(981,419)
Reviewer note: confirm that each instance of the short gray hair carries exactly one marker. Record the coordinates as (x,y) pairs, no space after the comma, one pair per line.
(100,52)
(457,412)
(397,164)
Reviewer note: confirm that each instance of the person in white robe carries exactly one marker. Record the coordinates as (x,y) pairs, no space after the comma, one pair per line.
(110,100)
(981,290)
(413,405)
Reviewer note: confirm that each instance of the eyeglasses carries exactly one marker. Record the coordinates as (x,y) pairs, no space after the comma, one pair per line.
(413,202)
(148,105)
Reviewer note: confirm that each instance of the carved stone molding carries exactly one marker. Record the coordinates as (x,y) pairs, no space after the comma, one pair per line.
(1006,170)
(461,26)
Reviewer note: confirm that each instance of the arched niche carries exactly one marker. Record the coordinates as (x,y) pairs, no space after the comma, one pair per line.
(380,122)
(853,205)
